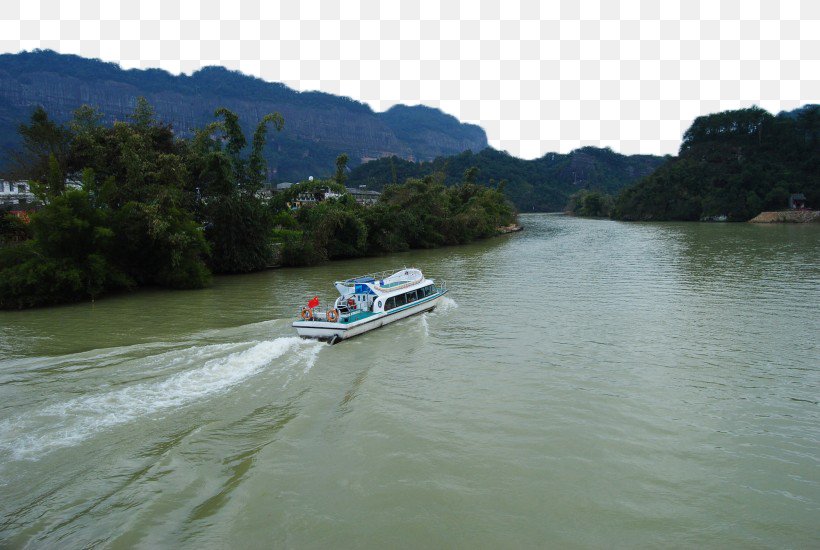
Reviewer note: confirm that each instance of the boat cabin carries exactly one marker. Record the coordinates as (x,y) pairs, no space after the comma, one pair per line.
(381,292)
(406,298)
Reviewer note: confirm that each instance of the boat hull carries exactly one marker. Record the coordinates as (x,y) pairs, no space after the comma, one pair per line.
(322,330)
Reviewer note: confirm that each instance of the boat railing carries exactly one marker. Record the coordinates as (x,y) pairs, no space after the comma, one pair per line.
(317,314)
(377,276)
(345,316)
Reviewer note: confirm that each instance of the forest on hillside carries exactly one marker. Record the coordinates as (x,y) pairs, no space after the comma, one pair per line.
(543,184)
(132,204)
(734,164)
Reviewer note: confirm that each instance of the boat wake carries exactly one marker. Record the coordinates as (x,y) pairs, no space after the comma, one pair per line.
(447,304)
(30,435)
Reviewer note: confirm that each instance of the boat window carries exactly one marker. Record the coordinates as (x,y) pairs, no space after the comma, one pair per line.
(401,300)
(411,296)
(389,304)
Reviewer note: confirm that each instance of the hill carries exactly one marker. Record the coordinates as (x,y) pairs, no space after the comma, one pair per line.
(319,126)
(543,184)
(733,164)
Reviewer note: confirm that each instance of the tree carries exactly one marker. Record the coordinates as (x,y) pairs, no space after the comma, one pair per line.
(67,260)
(256,162)
(159,244)
(239,232)
(143,116)
(88,140)
(470,174)
(43,158)
(341,166)
(238,225)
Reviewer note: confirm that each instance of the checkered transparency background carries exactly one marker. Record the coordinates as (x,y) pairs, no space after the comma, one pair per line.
(537,76)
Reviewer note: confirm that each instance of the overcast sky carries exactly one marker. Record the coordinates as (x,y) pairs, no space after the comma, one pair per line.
(538,77)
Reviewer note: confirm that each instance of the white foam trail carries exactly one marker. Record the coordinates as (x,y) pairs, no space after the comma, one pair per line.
(424,324)
(309,354)
(65,424)
(85,357)
(446,304)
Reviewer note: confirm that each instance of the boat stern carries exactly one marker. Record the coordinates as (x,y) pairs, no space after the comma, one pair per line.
(318,330)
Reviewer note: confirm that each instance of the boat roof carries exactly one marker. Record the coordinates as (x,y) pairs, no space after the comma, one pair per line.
(382,275)
(383,281)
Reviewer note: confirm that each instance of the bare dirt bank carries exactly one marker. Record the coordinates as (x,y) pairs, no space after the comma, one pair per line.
(788,216)
(513,228)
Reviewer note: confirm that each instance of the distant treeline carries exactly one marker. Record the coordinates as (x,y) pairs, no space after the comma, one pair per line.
(132,204)
(734,164)
(544,184)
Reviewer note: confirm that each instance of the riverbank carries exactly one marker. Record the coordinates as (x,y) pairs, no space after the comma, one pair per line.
(788,216)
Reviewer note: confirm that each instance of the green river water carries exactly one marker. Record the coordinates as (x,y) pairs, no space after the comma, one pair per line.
(585,384)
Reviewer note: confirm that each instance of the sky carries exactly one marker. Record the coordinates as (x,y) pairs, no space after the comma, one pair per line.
(539,77)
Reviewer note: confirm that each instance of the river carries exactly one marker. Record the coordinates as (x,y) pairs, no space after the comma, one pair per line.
(586,383)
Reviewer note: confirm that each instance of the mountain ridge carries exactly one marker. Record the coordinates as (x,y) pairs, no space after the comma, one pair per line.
(542,184)
(318,126)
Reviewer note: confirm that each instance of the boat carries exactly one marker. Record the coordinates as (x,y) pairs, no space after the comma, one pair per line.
(368,302)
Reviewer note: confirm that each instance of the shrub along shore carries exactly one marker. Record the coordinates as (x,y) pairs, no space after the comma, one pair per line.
(132,205)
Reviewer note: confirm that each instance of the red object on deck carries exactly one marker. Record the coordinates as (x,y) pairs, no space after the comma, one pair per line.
(313,303)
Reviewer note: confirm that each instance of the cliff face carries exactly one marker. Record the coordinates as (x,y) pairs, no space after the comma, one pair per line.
(318,126)
(427,132)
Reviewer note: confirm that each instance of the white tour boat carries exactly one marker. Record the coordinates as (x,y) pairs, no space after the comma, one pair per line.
(368,302)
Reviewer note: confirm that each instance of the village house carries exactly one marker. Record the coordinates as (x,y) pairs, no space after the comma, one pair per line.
(361,196)
(312,197)
(797,201)
(14,194)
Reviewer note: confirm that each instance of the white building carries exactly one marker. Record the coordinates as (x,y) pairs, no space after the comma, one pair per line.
(14,193)
(363,196)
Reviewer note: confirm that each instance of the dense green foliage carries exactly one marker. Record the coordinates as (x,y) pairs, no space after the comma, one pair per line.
(132,204)
(68,257)
(734,164)
(543,184)
(591,204)
(151,209)
(13,229)
(420,213)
